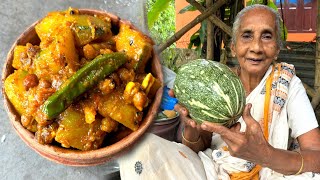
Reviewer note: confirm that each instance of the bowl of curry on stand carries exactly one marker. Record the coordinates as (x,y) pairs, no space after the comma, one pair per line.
(81,86)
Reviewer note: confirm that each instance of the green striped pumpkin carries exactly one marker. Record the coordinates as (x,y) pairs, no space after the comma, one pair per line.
(210,91)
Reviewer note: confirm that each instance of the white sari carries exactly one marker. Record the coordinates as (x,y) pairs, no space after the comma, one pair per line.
(156,158)
(286,90)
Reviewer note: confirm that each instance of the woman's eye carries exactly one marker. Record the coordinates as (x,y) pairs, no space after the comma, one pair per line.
(267,36)
(246,36)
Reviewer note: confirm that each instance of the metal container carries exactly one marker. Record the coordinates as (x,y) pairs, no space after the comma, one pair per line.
(165,127)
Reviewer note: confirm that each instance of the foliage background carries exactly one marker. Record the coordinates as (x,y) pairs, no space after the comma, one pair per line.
(163,28)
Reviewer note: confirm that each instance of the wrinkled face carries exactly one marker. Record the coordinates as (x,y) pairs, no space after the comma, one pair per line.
(256,41)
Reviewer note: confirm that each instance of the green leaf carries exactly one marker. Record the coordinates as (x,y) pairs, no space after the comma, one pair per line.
(252,2)
(194,40)
(272,5)
(284,31)
(198,50)
(194,36)
(187,8)
(227,12)
(203,31)
(156,9)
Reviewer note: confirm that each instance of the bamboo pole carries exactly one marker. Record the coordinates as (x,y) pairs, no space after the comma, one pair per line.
(210,34)
(213,18)
(315,101)
(194,22)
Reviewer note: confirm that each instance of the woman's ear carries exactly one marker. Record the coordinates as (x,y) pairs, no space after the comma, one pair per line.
(276,56)
(233,49)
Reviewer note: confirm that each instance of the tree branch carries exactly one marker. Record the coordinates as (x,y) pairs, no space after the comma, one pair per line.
(205,14)
(213,18)
(210,34)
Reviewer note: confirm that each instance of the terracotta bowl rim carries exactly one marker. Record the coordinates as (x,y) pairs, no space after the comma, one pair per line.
(77,157)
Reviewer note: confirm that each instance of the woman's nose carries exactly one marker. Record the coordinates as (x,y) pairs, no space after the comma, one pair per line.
(256,46)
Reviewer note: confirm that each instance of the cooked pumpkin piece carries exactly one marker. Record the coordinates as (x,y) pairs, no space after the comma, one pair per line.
(113,105)
(136,45)
(87,28)
(20,53)
(74,132)
(15,90)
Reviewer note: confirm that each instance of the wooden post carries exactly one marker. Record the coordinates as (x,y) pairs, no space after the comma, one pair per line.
(315,101)
(210,34)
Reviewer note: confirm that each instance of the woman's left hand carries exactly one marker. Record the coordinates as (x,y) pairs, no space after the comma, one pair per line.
(250,145)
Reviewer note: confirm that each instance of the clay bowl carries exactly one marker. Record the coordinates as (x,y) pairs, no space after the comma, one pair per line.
(69,156)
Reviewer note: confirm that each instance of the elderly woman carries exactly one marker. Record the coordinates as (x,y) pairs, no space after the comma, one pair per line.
(277,136)
(280,108)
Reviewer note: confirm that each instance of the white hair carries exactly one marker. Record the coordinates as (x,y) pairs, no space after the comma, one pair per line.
(239,16)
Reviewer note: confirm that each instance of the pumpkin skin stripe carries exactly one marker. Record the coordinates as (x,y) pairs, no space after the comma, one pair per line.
(221,93)
(193,102)
(210,91)
(216,117)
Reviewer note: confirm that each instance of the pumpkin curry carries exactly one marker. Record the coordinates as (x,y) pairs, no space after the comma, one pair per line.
(86,82)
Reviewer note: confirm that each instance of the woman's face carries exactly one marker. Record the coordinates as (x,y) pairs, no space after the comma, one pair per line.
(256,41)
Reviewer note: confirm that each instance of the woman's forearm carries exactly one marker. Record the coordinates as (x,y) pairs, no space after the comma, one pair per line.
(196,141)
(196,146)
(290,162)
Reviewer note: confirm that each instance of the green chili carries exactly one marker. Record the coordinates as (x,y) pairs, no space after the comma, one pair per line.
(84,79)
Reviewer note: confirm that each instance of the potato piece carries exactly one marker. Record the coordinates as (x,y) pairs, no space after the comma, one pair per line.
(45,66)
(15,90)
(65,48)
(20,52)
(47,29)
(60,54)
(57,44)
(74,132)
(114,106)
(136,45)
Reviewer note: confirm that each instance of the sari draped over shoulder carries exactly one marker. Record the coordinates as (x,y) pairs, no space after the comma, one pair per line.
(157,158)
(268,100)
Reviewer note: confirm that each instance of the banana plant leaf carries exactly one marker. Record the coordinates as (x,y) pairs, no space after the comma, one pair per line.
(156,9)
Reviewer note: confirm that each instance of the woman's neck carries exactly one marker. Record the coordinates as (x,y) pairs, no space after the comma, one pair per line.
(249,81)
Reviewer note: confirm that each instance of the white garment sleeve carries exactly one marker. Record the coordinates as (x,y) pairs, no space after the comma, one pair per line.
(301,116)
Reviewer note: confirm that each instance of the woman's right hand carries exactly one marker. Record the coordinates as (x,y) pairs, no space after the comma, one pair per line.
(192,134)
(191,130)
